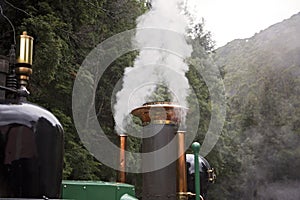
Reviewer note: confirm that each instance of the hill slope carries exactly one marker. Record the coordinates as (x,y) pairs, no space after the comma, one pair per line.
(262,80)
(277,48)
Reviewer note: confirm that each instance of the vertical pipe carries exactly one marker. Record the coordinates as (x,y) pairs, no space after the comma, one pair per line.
(196,149)
(181,168)
(122,173)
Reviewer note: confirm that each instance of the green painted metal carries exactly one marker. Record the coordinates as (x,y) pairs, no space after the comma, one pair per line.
(95,190)
(196,149)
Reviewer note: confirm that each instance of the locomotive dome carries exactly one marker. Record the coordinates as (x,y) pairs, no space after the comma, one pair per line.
(31,138)
(26,114)
(203,164)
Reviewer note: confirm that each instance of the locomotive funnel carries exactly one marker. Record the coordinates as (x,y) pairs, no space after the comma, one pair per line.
(161,122)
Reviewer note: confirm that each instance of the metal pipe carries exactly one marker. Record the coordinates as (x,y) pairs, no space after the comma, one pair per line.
(196,149)
(181,168)
(122,170)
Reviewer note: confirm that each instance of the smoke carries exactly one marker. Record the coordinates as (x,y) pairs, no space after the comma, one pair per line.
(154,67)
(287,190)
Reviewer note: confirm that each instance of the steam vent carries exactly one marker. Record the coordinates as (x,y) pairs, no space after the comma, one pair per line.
(24,58)
(161,121)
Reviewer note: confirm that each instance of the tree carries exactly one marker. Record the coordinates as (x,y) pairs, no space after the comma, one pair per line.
(64,33)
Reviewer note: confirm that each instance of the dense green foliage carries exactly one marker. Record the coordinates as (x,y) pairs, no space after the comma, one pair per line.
(64,33)
(262,132)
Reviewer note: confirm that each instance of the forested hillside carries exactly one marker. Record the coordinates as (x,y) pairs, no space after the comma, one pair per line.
(64,33)
(263,94)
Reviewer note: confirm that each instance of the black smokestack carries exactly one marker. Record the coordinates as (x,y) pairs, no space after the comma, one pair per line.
(160,124)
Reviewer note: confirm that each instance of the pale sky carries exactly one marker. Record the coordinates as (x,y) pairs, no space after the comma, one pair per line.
(238,19)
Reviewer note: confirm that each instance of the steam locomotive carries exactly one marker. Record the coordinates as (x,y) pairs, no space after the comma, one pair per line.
(31,147)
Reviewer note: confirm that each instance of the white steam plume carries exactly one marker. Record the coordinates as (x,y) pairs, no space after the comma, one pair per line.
(154,66)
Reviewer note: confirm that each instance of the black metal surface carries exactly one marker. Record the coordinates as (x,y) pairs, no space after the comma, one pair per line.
(31,152)
(160,184)
(203,168)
